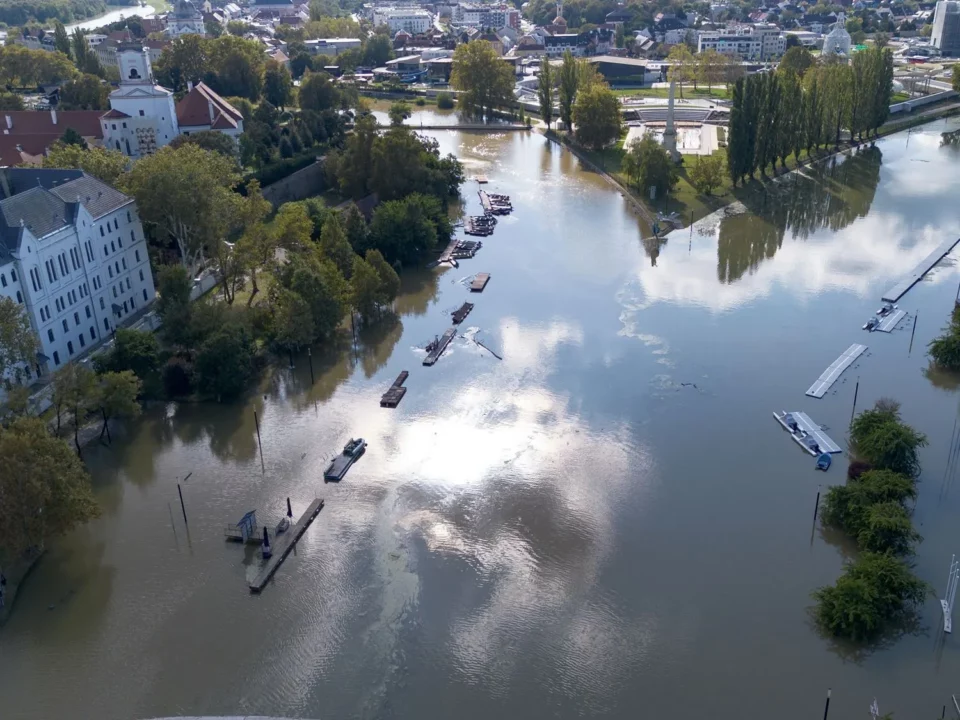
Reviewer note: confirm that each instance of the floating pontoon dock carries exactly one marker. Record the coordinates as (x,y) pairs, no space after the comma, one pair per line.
(482,179)
(807,430)
(461,313)
(338,467)
(392,397)
(283,544)
(900,289)
(479,282)
(891,321)
(830,375)
(438,346)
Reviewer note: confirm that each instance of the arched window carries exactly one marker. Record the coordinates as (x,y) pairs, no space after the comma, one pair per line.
(134,75)
(19,297)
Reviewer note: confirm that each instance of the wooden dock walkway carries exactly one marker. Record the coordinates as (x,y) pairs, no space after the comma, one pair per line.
(283,544)
(439,345)
(479,282)
(392,397)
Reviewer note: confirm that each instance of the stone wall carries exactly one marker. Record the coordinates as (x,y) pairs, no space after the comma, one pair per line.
(302,184)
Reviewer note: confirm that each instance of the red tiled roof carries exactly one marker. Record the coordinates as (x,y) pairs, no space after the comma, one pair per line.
(114,114)
(194,109)
(40,122)
(15,150)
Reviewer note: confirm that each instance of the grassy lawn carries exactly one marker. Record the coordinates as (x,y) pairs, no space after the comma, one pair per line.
(158,5)
(718,92)
(899,97)
(242,297)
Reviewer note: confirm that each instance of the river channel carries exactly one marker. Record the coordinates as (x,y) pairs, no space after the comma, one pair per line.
(607,522)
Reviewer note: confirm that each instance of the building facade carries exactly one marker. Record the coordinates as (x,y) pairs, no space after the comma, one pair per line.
(186,19)
(491,17)
(413,20)
(73,254)
(747,42)
(143,116)
(946,28)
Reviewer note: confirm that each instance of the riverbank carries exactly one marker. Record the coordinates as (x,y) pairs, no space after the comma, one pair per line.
(689,206)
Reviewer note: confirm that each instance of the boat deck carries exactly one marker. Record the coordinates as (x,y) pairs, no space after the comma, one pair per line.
(338,468)
(392,397)
(460,314)
(283,544)
(808,428)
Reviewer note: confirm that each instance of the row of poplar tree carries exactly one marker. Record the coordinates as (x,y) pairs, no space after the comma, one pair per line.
(775,115)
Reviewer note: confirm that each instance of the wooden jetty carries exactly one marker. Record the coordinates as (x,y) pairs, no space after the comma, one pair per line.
(461,313)
(466,249)
(925,266)
(495,206)
(479,282)
(283,544)
(482,179)
(447,255)
(476,225)
(436,348)
(392,397)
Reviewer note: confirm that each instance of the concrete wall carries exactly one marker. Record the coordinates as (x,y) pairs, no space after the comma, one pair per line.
(921,101)
(302,184)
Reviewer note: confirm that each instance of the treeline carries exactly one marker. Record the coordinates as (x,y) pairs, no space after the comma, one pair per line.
(23,12)
(232,66)
(776,115)
(22,67)
(945,349)
(878,592)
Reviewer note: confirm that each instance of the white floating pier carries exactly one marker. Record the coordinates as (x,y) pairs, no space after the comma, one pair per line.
(830,375)
(900,289)
(806,433)
(891,321)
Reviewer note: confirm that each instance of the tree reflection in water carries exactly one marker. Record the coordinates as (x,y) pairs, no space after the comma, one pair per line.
(830,195)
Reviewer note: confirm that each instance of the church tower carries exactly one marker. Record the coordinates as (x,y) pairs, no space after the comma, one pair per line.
(135,66)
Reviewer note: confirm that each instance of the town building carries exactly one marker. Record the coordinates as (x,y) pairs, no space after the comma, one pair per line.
(73,254)
(186,19)
(946,28)
(412,19)
(762,41)
(491,17)
(28,134)
(331,46)
(144,117)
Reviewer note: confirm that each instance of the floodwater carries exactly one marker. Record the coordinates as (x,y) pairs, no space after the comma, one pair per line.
(608,522)
(112,17)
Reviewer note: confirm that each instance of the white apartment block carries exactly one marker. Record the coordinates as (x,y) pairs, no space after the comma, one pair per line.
(73,254)
(493,17)
(946,27)
(763,41)
(413,20)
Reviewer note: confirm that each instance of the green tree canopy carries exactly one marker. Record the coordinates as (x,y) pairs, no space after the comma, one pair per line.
(335,247)
(277,84)
(707,173)
(186,194)
(596,116)
(882,439)
(117,395)
(324,289)
(545,92)
(399,111)
(389,280)
(291,320)
(212,140)
(404,230)
(364,288)
(87,92)
(22,67)
(648,165)
(796,60)
(317,92)
(484,79)
(45,487)
(18,343)
(225,362)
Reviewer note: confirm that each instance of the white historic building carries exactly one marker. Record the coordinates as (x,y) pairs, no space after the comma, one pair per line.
(73,253)
(186,19)
(144,117)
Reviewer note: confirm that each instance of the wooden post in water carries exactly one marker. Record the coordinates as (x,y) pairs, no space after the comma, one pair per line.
(816,505)
(856,391)
(259,444)
(826,708)
(310,359)
(182,506)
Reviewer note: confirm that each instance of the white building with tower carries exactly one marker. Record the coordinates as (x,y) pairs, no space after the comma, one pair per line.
(74,256)
(144,117)
(838,40)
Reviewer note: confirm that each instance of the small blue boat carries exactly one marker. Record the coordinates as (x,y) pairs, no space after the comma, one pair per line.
(823,462)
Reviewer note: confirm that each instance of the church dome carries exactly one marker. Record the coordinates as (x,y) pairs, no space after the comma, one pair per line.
(558,20)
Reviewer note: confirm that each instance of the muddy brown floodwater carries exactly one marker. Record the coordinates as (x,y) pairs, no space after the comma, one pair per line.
(607,522)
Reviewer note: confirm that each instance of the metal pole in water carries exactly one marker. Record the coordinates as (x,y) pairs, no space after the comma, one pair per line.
(913,332)
(816,505)
(826,708)
(310,359)
(259,444)
(182,506)
(856,391)
(289,509)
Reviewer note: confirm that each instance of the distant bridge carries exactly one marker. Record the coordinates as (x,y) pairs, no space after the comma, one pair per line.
(476,127)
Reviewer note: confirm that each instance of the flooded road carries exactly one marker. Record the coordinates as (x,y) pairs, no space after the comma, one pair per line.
(607,522)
